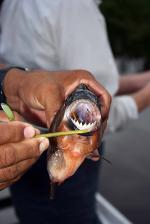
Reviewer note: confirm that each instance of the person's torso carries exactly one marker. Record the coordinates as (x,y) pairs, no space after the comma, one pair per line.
(25,40)
(29,34)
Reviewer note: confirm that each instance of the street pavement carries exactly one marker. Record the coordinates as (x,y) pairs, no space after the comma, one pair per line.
(126,184)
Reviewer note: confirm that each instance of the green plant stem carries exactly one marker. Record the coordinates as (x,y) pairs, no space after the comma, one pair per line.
(57,134)
(9,113)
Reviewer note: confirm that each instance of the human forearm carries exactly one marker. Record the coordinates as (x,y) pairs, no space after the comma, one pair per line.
(127,107)
(131,83)
(142,98)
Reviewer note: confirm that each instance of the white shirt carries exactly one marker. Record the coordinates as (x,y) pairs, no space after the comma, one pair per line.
(61,35)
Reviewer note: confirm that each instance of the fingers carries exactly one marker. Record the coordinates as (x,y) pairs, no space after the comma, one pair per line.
(6,184)
(18,150)
(102,93)
(104,96)
(12,173)
(53,102)
(13,153)
(68,81)
(86,78)
(3,116)
(46,91)
(15,131)
(43,97)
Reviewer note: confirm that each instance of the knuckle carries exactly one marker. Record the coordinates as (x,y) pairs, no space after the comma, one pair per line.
(33,149)
(83,74)
(8,155)
(9,173)
(51,88)
(36,151)
(110,98)
(13,171)
(3,186)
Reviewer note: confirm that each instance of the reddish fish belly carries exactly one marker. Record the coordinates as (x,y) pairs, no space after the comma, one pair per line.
(71,152)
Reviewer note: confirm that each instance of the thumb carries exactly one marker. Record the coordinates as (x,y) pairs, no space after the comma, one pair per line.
(52,106)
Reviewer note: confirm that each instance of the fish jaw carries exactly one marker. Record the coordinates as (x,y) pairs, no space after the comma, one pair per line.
(70,154)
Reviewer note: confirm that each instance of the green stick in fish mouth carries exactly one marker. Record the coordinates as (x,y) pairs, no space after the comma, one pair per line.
(63,133)
(9,113)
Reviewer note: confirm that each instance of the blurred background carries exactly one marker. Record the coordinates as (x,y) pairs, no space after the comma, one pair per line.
(128,24)
(126,184)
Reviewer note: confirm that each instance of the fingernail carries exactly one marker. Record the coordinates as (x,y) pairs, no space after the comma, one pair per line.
(29,132)
(44,143)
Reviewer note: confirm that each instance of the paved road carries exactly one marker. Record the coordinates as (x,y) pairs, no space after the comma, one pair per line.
(127,182)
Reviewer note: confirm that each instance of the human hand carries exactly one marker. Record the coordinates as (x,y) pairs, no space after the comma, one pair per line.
(42,93)
(146,90)
(18,150)
(132,83)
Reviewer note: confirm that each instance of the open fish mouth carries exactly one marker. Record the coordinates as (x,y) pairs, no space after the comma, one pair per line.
(83,114)
(81,110)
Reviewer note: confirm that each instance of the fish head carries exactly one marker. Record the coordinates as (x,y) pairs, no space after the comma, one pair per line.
(70,151)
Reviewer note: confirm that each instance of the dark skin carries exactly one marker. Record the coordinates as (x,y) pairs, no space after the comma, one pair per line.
(132,83)
(18,150)
(37,94)
(43,92)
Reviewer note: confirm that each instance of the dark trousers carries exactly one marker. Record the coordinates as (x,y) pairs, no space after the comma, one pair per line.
(74,201)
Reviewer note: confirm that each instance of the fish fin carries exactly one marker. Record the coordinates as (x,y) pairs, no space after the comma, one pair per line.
(52,190)
(94,155)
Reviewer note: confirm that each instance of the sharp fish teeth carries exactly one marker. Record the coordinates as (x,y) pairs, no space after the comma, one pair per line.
(81,126)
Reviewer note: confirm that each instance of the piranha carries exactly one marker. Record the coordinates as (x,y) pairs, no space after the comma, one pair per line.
(80,111)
